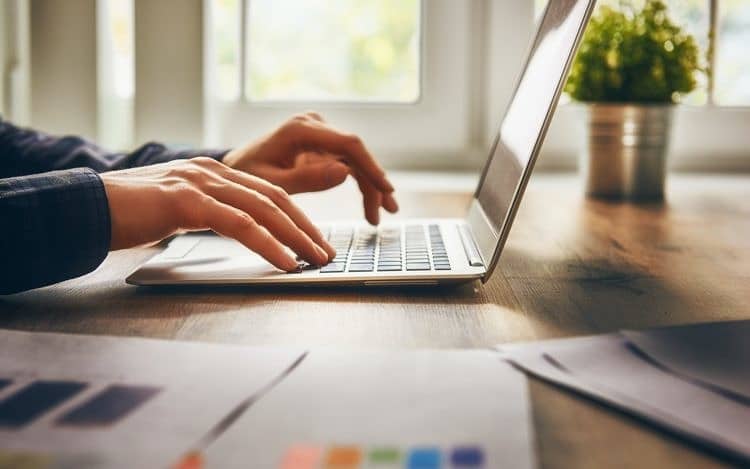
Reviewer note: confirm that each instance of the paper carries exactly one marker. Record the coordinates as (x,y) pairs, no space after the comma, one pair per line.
(716,354)
(70,401)
(606,369)
(396,409)
(119,402)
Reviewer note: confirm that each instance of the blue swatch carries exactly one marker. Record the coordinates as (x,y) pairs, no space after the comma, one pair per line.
(424,458)
(467,456)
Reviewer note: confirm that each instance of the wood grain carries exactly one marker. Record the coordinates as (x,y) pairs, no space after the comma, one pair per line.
(572,266)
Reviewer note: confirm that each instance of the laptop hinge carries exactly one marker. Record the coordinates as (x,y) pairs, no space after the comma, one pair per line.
(472,253)
(483,234)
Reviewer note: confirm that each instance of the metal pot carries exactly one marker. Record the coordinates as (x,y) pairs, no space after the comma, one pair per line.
(627,150)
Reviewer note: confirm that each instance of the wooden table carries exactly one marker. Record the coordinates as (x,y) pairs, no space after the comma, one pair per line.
(572,266)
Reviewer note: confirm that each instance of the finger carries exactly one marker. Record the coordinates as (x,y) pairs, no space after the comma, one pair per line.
(372,199)
(285,203)
(318,136)
(312,177)
(271,216)
(389,203)
(234,223)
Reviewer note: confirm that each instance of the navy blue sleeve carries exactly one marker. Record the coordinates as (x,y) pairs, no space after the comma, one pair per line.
(55,226)
(26,151)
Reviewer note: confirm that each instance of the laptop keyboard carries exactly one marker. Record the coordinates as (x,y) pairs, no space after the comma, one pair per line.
(390,249)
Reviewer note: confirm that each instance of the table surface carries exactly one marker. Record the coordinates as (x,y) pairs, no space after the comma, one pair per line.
(572,266)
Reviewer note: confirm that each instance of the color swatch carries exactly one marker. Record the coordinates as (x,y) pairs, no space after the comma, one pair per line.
(109,406)
(343,457)
(301,457)
(467,456)
(34,400)
(385,457)
(424,458)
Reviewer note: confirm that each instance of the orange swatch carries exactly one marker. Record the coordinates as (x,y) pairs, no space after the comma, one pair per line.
(343,457)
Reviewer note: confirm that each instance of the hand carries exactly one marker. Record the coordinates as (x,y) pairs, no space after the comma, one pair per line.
(150,203)
(306,154)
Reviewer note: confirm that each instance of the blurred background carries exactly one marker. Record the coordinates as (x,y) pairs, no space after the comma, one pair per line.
(425,82)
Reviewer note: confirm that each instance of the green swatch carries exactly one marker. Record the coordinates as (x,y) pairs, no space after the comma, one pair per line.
(385,455)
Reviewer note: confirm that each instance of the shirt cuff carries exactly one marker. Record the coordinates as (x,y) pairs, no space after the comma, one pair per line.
(56,227)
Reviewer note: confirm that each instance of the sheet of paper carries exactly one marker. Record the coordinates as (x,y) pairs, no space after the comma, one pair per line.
(606,369)
(85,401)
(396,409)
(715,354)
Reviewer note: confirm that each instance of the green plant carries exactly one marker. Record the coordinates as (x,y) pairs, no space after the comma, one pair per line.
(634,55)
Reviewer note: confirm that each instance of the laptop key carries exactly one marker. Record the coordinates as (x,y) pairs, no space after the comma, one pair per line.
(418,266)
(361,267)
(333,267)
(389,268)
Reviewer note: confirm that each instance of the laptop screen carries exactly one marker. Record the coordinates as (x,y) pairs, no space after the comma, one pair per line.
(530,108)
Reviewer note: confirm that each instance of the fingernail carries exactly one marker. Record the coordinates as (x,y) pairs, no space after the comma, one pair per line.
(322,255)
(329,249)
(392,205)
(291,265)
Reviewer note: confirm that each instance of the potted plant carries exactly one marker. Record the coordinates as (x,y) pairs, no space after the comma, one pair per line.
(633,66)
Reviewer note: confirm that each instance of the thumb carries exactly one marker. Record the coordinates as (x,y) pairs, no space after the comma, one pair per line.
(316,176)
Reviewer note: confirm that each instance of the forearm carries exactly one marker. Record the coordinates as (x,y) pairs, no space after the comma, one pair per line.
(55,226)
(26,151)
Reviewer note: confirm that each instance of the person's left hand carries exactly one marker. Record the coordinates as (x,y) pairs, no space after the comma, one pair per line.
(307,154)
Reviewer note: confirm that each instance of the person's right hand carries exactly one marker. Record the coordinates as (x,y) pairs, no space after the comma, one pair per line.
(151,203)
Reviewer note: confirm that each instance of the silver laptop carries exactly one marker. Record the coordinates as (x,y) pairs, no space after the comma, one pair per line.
(416,251)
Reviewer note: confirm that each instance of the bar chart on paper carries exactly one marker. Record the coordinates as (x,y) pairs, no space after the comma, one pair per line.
(95,402)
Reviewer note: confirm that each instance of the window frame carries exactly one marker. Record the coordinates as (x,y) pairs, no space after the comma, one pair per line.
(442,123)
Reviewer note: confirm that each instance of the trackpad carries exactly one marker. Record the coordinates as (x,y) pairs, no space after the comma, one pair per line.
(206,258)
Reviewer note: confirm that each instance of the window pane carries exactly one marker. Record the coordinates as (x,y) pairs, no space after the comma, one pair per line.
(693,15)
(115,72)
(334,50)
(225,23)
(732,58)
(117,47)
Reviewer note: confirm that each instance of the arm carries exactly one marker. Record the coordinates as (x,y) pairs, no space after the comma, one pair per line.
(61,224)
(55,226)
(25,151)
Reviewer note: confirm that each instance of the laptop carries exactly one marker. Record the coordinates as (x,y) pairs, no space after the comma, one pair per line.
(413,251)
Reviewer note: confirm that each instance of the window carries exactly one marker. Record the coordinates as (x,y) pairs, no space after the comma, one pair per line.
(116,72)
(330,50)
(399,72)
(334,50)
(732,59)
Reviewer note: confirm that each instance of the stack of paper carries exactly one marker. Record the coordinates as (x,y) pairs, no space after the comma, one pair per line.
(693,380)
